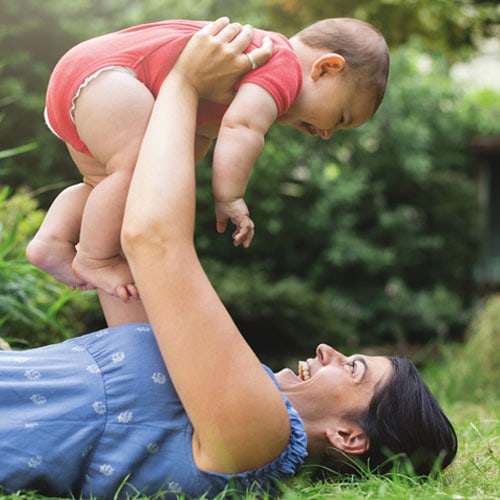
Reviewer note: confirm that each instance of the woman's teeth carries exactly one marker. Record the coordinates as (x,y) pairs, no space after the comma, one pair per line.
(304,373)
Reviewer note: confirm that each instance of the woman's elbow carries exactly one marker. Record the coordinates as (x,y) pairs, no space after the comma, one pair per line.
(155,238)
(138,234)
(129,236)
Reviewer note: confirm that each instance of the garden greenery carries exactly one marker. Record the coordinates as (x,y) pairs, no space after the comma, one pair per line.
(370,238)
(34,309)
(381,223)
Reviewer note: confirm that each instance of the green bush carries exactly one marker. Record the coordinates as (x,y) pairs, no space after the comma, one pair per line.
(375,232)
(278,318)
(34,309)
(383,218)
(473,369)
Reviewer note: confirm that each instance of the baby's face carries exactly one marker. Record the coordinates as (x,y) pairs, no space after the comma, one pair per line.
(327,105)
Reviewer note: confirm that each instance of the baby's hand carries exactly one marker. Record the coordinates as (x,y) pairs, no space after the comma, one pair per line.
(237,212)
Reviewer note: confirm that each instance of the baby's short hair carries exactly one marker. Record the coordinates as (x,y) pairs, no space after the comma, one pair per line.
(362,46)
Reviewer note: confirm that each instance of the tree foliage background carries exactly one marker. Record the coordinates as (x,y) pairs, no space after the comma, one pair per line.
(370,238)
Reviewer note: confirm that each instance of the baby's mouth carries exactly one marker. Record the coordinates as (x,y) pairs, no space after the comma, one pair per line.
(309,128)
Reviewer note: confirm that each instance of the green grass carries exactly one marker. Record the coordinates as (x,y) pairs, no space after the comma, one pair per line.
(473,475)
(466,384)
(34,308)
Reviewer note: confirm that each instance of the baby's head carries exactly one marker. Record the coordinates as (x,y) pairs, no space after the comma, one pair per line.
(355,54)
(361,45)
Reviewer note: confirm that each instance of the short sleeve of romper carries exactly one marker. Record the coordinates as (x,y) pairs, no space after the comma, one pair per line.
(150,50)
(98,416)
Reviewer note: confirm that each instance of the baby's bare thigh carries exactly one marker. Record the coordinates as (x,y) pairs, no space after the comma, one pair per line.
(111,116)
(92,171)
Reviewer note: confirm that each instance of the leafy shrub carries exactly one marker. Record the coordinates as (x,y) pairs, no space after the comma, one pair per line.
(383,219)
(34,309)
(473,369)
(371,237)
(481,110)
(279,318)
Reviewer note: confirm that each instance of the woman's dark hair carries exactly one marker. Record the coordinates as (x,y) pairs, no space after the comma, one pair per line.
(404,421)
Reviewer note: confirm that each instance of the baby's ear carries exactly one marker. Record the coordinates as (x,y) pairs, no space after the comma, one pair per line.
(329,63)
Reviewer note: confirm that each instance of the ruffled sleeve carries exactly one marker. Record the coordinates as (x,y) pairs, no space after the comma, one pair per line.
(286,466)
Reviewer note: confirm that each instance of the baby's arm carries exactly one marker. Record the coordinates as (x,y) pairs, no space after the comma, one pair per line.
(239,144)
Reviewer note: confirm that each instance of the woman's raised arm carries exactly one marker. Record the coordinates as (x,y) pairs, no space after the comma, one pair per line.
(239,418)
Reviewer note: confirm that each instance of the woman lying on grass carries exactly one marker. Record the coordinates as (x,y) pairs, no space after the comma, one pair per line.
(100,413)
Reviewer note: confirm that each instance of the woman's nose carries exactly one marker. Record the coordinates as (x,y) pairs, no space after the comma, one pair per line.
(327,353)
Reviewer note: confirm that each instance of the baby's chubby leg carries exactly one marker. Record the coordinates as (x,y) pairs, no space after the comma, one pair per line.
(111,116)
(98,259)
(53,247)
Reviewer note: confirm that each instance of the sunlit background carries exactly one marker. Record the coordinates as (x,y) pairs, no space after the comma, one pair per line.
(385,237)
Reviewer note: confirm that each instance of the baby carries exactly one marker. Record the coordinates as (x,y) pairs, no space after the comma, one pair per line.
(328,77)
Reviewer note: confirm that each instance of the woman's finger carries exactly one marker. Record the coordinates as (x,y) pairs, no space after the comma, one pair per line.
(228,32)
(214,59)
(214,27)
(239,38)
(260,55)
(242,39)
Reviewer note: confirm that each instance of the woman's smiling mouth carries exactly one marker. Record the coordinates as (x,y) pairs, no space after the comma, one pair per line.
(303,371)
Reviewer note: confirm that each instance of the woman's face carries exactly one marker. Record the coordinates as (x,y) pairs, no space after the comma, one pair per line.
(332,384)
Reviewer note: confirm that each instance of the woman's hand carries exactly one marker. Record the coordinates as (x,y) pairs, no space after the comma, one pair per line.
(214,59)
(239,418)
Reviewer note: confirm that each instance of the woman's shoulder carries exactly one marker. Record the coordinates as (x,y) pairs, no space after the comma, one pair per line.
(284,467)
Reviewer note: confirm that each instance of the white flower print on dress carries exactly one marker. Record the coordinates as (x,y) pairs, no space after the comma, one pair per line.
(34,462)
(102,333)
(174,487)
(38,399)
(124,417)
(143,329)
(30,425)
(99,407)
(118,357)
(93,368)
(32,375)
(20,359)
(159,378)
(78,348)
(106,470)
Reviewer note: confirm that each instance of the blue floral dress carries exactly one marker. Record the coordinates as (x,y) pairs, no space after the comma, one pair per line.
(98,416)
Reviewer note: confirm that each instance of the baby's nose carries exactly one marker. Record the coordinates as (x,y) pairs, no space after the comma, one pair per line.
(326,134)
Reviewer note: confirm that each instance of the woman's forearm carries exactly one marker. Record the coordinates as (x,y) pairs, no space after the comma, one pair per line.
(207,357)
(166,159)
(160,205)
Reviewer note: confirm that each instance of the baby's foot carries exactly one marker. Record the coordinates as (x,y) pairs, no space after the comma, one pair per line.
(111,275)
(55,257)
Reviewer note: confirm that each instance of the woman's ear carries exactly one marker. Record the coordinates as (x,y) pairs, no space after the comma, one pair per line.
(330,64)
(350,439)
